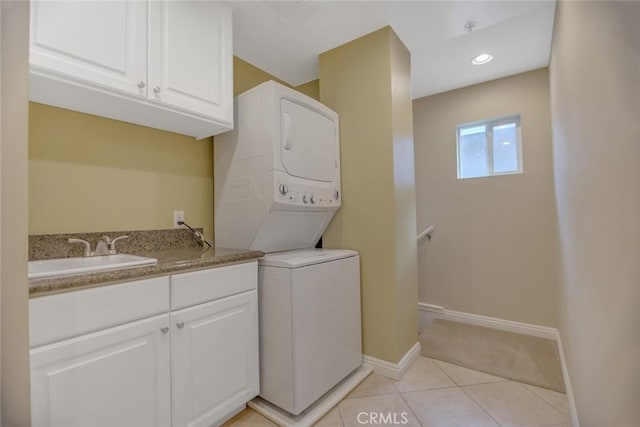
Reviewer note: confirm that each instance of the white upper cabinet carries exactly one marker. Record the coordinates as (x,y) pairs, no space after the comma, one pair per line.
(98,43)
(188,44)
(162,64)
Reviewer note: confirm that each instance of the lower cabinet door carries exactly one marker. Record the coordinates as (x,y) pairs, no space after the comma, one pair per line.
(214,359)
(116,377)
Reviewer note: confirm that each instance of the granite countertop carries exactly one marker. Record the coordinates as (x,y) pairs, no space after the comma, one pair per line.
(169,261)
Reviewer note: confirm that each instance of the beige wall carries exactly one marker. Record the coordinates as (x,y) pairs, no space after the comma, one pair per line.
(595,93)
(88,173)
(404,180)
(367,82)
(311,89)
(493,252)
(246,76)
(14,321)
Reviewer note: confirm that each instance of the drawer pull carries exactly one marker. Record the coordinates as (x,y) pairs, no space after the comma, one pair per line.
(180,325)
(164,330)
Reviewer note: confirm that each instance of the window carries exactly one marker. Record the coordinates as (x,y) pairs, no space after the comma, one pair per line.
(489,147)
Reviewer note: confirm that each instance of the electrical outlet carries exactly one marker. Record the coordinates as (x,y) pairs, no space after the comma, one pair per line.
(177,216)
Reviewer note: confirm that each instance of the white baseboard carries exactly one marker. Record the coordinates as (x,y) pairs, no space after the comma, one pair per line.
(391,370)
(567,383)
(428,312)
(436,311)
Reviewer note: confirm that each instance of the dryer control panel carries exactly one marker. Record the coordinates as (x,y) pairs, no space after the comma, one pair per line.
(305,195)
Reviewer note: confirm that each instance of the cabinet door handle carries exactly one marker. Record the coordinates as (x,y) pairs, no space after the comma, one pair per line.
(156,89)
(180,325)
(141,85)
(288,131)
(164,330)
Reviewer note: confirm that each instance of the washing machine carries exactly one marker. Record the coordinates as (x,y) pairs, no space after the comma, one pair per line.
(310,335)
(277,187)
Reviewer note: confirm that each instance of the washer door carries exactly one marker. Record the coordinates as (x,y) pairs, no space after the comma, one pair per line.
(309,142)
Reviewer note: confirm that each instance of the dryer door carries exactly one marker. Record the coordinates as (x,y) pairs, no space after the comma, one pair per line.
(309,142)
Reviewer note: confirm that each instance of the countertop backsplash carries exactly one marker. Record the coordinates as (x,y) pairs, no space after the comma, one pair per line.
(49,246)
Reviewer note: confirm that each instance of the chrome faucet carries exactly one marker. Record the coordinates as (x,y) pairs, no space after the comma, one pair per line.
(87,246)
(112,244)
(105,246)
(102,247)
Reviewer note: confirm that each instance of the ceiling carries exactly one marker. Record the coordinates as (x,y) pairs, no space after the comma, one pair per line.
(285,38)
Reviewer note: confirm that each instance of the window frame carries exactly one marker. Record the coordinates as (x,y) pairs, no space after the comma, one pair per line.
(489,124)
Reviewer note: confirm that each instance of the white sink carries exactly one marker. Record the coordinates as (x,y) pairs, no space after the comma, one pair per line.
(83,265)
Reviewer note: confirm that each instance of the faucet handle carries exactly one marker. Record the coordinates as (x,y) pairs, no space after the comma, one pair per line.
(112,243)
(87,246)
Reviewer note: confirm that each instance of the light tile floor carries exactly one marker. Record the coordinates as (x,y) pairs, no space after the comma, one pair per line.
(438,394)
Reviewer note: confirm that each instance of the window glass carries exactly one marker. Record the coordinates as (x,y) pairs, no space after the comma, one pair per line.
(490,147)
(505,150)
(473,152)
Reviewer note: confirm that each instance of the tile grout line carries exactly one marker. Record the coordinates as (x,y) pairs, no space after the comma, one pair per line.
(431,388)
(480,406)
(547,403)
(410,408)
(340,413)
(493,382)
(455,384)
(405,400)
(461,387)
(443,371)
(393,383)
(502,379)
(370,395)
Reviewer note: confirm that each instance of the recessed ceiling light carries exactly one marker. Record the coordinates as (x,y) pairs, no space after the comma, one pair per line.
(482,59)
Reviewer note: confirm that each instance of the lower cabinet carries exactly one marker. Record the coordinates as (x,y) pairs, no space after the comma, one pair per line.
(214,352)
(114,377)
(193,366)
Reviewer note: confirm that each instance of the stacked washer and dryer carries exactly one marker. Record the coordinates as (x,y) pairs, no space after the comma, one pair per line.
(277,179)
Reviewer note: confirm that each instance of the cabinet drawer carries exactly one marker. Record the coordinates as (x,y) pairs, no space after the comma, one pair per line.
(196,287)
(56,317)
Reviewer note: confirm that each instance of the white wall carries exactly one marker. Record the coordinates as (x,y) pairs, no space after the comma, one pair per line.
(595,93)
(494,249)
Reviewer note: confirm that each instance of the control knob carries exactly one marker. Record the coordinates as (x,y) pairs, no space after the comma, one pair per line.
(311,199)
(336,194)
(283,189)
(304,198)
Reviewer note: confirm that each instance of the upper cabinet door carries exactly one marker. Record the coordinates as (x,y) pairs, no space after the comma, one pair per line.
(189,42)
(101,43)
